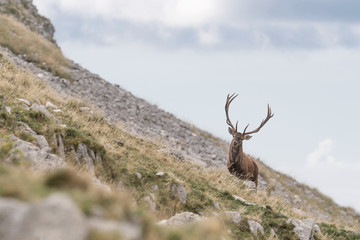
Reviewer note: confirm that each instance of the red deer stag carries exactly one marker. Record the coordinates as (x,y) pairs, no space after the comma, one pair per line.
(239,164)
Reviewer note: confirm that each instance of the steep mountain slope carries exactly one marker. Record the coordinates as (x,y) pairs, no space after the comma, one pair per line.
(137,117)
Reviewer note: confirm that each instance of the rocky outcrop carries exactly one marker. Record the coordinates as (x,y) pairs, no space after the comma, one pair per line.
(20,220)
(37,158)
(25,12)
(179,192)
(255,227)
(234,216)
(304,228)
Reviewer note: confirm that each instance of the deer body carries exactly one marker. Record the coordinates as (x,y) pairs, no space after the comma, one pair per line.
(239,164)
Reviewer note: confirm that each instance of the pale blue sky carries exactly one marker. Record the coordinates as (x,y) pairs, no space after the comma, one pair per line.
(301,57)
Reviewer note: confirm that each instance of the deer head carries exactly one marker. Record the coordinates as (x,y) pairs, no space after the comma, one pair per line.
(238,137)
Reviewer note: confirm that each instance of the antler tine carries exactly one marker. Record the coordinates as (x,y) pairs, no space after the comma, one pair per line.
(245,128)
(269,115)
(229,99)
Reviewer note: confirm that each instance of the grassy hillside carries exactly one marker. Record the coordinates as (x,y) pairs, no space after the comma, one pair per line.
(123,158)
(32,47)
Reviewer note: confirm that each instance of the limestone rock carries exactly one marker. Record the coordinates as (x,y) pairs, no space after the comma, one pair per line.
(179,192)
(181,219)
(12,213)
(82,154)
(36,157)
(160,174)
(150,201)
(8,110)
(40,108)
(139,175)
(304,228)
(234,216)
(250,185)
(217,205)
(243,201)
(27,102)
(56,218)
(51,105)
(255,227)
(98,183)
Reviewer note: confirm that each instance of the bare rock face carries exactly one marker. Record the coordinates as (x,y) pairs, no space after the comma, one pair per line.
(35,156)
(255,227)
(234,216)
(56,218)
(179,192)
(304,228)
(25,12)
(181,219)
(12,213)
(82,154)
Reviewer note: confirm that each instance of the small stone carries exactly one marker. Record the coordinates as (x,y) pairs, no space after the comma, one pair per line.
(40,75)
(40,108)
(24,101)
(216,205)
(61,147)
(139,175)
(37,100)
(50,105)
(317,229)
(255,227)
(234,216)
(243,201)
(250,185)
(155,187)
(304,228)
(150,202)
(160,174)
(120,187)
(8,110)
(179,192)
(82,153)
(86,110)
(57,110)
(272,232)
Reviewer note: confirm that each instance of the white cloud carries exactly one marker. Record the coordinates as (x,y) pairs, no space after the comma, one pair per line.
(171,13)
(241,23)
(322,154)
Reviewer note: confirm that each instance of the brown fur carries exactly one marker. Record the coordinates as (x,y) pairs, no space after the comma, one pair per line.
(239,164)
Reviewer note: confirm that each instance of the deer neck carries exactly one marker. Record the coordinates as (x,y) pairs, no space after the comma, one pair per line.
(237,153)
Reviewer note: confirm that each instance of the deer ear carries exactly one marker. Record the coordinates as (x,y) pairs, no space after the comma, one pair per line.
(231,131)
(247,137)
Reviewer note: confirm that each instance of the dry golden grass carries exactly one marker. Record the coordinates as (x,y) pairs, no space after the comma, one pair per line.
(20,40)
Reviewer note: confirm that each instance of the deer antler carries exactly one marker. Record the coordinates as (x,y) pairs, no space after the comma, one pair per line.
(269,115)
(229,99)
